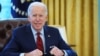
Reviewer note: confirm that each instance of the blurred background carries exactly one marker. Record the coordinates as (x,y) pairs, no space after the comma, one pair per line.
(81,19)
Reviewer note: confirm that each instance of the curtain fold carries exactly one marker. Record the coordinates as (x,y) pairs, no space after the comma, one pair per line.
(80,17)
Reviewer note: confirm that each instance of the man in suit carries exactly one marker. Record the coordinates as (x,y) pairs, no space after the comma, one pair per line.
(24,39)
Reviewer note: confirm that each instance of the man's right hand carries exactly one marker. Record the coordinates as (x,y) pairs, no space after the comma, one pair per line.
(35,52)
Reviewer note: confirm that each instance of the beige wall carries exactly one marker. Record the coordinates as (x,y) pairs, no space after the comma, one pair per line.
(80,17)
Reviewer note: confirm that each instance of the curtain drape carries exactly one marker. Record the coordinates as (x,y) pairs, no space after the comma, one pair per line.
(80,17)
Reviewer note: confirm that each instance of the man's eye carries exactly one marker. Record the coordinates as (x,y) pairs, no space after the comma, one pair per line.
(34,15)
(41,15)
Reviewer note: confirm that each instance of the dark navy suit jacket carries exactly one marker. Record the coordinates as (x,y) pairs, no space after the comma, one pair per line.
(23,41)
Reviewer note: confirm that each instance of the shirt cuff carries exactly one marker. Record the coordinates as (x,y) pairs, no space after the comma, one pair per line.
(22,54)
(65,53)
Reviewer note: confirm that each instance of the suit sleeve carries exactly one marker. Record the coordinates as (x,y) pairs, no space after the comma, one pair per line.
(65,46)
(12,48)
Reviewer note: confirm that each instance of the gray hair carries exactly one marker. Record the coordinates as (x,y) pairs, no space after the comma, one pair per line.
(36,4)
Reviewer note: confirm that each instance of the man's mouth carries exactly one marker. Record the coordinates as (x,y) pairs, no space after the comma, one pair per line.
(37,24)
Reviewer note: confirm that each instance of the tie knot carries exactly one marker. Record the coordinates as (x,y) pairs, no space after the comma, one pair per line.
(38,33)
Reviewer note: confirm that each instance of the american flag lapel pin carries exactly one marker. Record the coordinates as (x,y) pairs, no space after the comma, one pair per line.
(48,35)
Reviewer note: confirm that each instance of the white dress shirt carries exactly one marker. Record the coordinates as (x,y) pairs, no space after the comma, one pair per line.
(43,39)
(41,34)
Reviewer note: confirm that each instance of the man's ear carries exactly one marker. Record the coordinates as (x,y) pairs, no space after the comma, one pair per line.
(28,18)
(46,18)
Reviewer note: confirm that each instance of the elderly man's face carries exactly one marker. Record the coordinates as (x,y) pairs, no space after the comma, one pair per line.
(37,17)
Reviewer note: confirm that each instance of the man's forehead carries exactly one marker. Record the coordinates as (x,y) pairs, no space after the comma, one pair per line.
(38,7)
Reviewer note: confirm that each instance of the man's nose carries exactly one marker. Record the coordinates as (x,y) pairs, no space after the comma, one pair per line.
(37,18)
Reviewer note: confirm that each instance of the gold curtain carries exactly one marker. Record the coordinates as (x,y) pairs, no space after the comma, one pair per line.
(80,17)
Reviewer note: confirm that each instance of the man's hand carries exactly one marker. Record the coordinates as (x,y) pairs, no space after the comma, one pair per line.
(36,52)
(56,51)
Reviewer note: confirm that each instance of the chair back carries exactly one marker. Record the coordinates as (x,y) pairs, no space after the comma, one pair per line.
(62,31)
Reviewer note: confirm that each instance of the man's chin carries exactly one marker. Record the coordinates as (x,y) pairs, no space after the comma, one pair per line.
(38,28)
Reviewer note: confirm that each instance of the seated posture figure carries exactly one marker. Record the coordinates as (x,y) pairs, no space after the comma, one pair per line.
(36,38)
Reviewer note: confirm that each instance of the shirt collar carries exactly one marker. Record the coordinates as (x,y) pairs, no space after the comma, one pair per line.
(35,32)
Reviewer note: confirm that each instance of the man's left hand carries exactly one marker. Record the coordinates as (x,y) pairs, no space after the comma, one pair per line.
(56,51)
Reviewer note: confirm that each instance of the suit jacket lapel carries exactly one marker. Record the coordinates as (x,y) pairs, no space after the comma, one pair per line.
(30,35)
(47,39)
(46,34)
